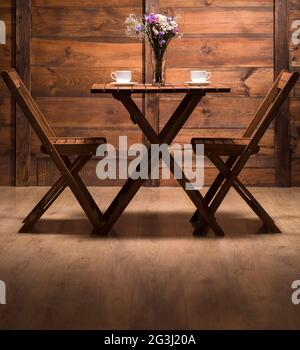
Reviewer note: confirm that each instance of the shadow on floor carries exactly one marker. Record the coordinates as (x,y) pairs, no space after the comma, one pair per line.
(151,225)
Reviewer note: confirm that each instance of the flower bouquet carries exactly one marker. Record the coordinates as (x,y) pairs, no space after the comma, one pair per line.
(159,30)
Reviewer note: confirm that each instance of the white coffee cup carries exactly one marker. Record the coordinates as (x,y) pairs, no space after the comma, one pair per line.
(200,76)
(121,76)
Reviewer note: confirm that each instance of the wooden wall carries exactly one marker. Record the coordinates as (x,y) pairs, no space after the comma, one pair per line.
(7,138)
(75,43)
(294,14)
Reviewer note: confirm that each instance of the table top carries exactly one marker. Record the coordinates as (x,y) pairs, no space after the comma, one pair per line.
(109,88)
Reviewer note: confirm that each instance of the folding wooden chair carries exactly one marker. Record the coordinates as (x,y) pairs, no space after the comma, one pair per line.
(59,149)
(238,151)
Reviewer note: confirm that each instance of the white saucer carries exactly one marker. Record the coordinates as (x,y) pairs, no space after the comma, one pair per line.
(131,83)
(196,83)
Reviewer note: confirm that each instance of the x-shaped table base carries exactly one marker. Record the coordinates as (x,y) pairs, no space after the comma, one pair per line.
(166,136)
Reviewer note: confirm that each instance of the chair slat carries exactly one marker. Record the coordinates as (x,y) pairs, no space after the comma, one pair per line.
(27,103)
(223,147)
(285,76)
(279,85)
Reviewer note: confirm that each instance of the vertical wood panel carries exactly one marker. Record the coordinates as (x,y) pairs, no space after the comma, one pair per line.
(23,131)
(294,61)
(151,101)
(282,122)
(7,110)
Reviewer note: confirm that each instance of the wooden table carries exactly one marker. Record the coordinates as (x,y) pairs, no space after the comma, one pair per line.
(193,95)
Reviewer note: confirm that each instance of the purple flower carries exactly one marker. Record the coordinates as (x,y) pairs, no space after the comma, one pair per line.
(162,42)
(138,28)
(162,33)
(151,18)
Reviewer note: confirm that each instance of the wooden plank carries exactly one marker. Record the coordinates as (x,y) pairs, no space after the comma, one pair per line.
(71,82)
(294,59)
(249,176)
(97,113)
(259,161)
(76,82)
(87,3)
(294,5)
(282,122)
(6,51)
(7,4)
(215,3)
(83,22)
(296,172)
(295,110)
(6,119)
(151,107)
(295,132)
(7,142)
(218,112)
(112,135)
(68,53)
(162,89)
(7,109)
(246,81)
(185,136)
(23,131)
(226,20)
(220,52)
(296,91)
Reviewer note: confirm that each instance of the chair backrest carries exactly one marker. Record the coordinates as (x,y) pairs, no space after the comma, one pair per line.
(28,105)
(271,104)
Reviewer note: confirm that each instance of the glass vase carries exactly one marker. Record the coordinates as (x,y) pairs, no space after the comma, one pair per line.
(158,68)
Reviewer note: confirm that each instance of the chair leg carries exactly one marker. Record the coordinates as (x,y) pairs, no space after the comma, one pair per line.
(213,188)
(83,187)
(200,203)
(230,178)
(95,216)
(42,207)
(196,197)
(256,207)
(248,197)
(88,195)
(47,200)
(52,194)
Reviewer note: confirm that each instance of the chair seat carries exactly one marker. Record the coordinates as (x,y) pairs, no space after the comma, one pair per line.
(75,145)
(223,146)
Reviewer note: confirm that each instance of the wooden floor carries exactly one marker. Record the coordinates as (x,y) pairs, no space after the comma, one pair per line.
(151,273)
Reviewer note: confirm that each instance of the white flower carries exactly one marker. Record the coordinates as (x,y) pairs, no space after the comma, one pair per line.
(155,31)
